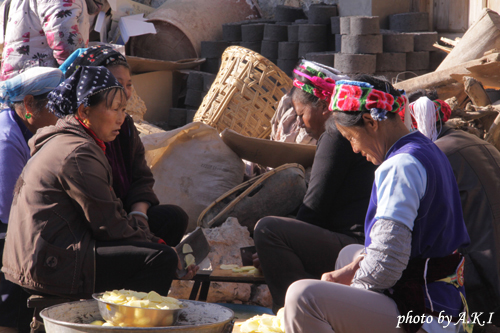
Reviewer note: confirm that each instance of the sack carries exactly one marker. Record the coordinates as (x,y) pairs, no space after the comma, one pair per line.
(192,167)
(277,192)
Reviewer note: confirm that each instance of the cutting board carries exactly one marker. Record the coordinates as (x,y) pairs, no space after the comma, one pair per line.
(227,274)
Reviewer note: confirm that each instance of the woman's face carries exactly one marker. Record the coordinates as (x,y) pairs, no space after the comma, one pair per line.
(106,121)
(365,140)
(311,118)
(122,74)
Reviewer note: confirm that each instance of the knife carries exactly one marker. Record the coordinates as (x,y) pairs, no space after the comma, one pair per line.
(200,246)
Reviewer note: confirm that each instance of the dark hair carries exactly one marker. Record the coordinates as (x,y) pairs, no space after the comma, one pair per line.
(355,118)
(106,96)
(302,96)
(119,63)
(40,102)
(429,93)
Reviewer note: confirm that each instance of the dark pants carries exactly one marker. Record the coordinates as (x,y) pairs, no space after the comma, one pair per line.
(13,303)
(168,222)
(290,250)
(138,266)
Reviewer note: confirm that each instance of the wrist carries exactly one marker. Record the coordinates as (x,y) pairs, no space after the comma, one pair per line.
(137,213)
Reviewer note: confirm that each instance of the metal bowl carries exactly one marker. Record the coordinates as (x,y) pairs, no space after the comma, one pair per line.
(134,316)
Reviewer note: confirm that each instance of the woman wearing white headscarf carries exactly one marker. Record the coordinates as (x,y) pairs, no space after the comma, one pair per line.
(26,95)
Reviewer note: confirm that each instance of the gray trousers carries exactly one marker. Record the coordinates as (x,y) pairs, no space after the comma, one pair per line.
(320,306)
(290,250)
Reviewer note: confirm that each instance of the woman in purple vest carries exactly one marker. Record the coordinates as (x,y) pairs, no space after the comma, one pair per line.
(408,275)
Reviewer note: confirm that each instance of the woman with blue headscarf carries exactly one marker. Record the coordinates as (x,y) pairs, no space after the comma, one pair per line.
(26,97)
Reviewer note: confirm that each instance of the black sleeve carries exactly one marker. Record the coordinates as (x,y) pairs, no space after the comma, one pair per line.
(332,162)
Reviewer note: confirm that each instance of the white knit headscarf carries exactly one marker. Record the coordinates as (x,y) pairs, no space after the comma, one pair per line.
(424,112)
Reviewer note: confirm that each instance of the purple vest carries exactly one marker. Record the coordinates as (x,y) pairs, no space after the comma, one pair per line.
(439,228)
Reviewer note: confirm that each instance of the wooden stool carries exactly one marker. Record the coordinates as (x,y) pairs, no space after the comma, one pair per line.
(38,303)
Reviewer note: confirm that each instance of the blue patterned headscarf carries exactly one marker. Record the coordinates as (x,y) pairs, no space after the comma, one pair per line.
(76,90)
(34,81)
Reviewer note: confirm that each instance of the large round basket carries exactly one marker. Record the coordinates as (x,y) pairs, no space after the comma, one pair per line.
(245,94)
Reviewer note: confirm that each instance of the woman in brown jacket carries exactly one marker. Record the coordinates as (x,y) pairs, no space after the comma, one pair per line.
(68,232)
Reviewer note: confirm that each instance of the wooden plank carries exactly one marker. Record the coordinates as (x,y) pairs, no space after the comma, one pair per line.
(227,275)
(488,74)
(451,15)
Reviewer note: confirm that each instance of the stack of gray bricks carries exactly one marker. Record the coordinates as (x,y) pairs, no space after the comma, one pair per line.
(212,52)
(198,84)
(361,44)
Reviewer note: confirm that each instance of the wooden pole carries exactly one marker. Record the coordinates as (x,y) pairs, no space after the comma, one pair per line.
(474,89)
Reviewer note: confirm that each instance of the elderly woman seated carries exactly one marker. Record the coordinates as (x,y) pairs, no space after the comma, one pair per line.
(68,231)
(408,272)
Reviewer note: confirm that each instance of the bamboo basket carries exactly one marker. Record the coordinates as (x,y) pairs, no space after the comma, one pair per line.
(245,94)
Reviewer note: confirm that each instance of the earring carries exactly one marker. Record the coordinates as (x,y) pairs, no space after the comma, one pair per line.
(28,115)
(86,122)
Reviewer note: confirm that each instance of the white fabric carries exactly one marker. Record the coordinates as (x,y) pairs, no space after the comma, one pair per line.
(401,183)
(424,112)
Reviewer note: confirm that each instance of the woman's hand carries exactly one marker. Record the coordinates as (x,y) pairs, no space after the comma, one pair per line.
(343,275)
(191,270)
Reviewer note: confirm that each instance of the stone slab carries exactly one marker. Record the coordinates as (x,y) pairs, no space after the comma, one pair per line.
(416,61)
(409,22)
(288,13)
(321,14)
(326,58)
(275,32)
(288,50)
(312,32)
(424,41)
(269,49)
(335,24)
(391,62)
(307,47)
(354,44)
(213,49)
(355,63)
(397,41)
(231,32)
(252,32)
(364,25)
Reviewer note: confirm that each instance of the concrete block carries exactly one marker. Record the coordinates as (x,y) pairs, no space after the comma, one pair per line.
(195,80)
(208,79)
(380,8)
(345,25)
(391,62)
(252,32)
(353,44)
(283,23)
(325,58)
(364,25)
(301,21)
(423,41)
(331,43)
(269,49)
(288,50)
(436,58)
(393,77)
(288,13)
(312,33)
(409,22)
(321,14)
(307,47)
(293,33)
(397,42)
(211,65)
(276,33)
(287,65)
(338,43)
(213,49)
(194,97)
(335,24)
(190,115)
(355,63)
(416,61)
(176,117)
(231,32)
(254,46)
